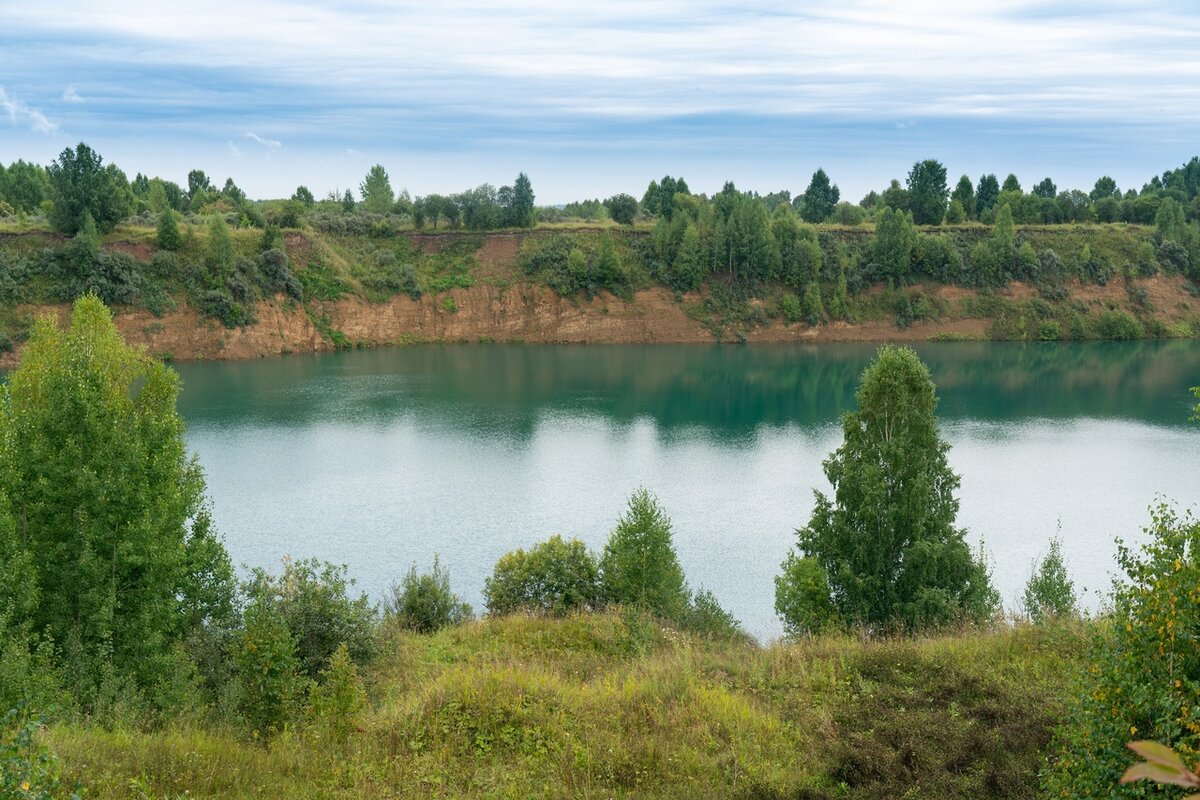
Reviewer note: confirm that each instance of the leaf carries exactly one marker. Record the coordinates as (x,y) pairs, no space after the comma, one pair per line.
(1157,753)
(1158,774)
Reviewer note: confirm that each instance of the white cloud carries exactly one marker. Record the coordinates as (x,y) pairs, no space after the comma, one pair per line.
(71,96)
(270,144)
(233,148)
(21,114)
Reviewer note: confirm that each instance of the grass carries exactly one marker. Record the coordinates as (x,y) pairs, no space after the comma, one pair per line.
(615,706)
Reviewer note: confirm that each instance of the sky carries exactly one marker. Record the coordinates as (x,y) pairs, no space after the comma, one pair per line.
(591,99)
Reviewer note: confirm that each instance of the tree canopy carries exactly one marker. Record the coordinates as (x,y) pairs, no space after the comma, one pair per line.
(886,543)
(81,186)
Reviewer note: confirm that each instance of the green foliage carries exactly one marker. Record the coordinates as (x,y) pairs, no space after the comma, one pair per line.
(705,617)
(927,192)
(376,190)
(887,541)
(81,185)
(622,208)
(986,194)
(1117,324)
(222,255)
(338,700)
(895,239)
(1049,593)
(1144,663)
(28,770)
(819,199)
(310,599)
(424,602)
(814,309)
(111,507)
(802,596)
(639,566)
(575,264)
(168,236)
(269,671)
(555,577)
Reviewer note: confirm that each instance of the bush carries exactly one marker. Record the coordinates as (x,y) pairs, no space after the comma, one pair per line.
(28,771)
(554,577)
(1116,324)
(802,598)
(1050,331)
(310,598)
(268,670)
(1049,593)
(168,235)
(705,617)
(339,699)
(424,602)
(1141,683)
(790,308)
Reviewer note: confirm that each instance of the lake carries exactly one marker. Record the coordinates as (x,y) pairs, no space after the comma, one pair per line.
(380,458)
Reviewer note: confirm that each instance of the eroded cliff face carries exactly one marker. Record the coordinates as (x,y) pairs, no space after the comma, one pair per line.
(520,313)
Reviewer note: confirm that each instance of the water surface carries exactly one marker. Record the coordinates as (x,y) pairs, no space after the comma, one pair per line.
(381,458)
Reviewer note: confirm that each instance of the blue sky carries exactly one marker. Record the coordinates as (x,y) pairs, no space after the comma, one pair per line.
(599,99)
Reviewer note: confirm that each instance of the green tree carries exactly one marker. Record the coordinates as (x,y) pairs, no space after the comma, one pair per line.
(622,208)
(1011,184)
(689,265)
(557,577)
(1046,189)
(820,198)
(81,185)
(304,195)
(169,237)
(887,542)
(1171,223)
(424,602)
(964,193)
(1105,187)
(348,203)
(376,190)
(639,566)
(1049,593)
(895,240)
(268,671)
(222,255)
(25,186)
(927,192)
(521,211)
(107,502)
(986,193)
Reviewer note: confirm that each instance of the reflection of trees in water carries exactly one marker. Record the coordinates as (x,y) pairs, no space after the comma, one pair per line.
(728,391)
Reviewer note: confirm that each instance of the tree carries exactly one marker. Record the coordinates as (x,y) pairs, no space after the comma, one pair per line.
(81,185)
(348,202)
(895,197)
(927,192)
(1049,593)
(521,211)
(198,183)
(1105,187)
(639,566)
(25,186)
(964,193)
(304,195)
(1046,189)
(820,198)
(555,577)
(376,190)
(1171,223)
(108,504)
(168,231)
(622,208)
(887,543)
(986,194)
(895,240)
(1011,184)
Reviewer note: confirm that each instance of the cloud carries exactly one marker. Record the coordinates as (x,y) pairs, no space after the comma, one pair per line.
(233,148)
(270,144)
(21,114)
(71,96)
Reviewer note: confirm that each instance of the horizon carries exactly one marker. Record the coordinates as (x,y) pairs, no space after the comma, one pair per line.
(592,102)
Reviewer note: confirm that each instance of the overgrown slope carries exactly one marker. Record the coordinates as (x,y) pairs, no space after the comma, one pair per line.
(613,705)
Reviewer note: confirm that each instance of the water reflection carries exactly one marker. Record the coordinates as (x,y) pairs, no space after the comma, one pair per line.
(726,391)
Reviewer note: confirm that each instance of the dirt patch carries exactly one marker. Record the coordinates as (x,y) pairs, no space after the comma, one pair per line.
(142,251)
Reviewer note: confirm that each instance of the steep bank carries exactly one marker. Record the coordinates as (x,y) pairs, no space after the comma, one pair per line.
(476,290)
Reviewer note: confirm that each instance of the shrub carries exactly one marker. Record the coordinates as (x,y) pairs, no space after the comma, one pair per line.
(705,617)
(1144,663)
(802,597)
(268,670)
(554,577)
(338,699)
(310,598)
(1050,331)
(28,771)
(1116,324)
(639,566)
(168,235)
(1049,593)
(790,308)
(424,602)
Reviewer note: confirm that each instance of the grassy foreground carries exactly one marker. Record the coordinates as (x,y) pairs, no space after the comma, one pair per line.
(613,705)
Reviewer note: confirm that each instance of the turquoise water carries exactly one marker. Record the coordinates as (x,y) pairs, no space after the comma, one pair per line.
(380,458)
